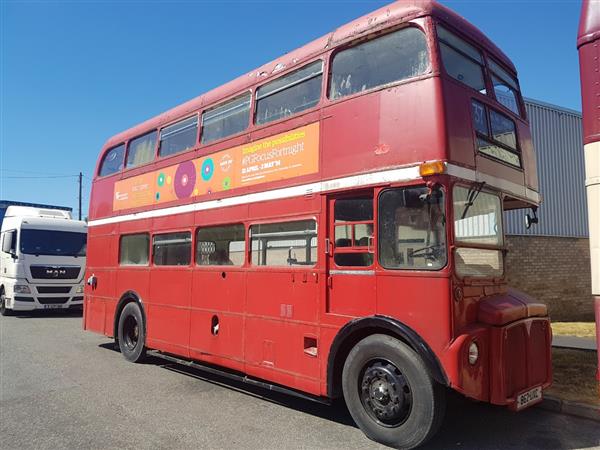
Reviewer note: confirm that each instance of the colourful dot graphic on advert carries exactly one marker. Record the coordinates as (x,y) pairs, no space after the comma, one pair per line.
(161,179)
(169,179)
(157,196)
(195,191)
(207,169)
(185,179)
(226,183)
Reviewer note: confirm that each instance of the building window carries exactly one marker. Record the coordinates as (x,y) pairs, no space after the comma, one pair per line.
(112,161)
(141,150)
(462,61)
(172,249)
(178,137)
(221,245)
(284,244)
(225,120)
(290,94)
(353,243)
(393,57)
(134,250)
(412,229)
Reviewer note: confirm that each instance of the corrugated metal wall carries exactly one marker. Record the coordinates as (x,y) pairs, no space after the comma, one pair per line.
(557,137)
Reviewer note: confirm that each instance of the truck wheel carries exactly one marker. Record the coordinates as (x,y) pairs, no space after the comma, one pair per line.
(3,309)
(390,394)
(131,333)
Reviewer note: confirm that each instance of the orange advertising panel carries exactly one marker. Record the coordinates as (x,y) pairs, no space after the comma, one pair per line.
(283,156)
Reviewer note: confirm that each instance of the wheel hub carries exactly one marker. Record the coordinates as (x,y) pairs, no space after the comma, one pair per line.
(385,394)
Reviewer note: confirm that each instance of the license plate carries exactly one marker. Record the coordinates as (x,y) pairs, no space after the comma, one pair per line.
(529,398)
(53,306)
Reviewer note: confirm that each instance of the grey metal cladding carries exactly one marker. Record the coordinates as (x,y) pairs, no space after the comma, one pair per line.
(557,138)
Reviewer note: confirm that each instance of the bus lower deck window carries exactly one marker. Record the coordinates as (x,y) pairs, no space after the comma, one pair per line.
(172,249)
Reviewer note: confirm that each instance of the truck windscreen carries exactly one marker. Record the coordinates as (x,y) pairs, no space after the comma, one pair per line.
(52,242)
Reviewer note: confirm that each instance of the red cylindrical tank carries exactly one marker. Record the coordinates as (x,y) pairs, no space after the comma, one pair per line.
(588,44)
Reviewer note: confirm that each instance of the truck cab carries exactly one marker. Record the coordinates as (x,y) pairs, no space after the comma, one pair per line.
(42,260)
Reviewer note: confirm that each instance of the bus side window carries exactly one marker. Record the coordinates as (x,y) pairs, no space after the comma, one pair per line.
(226,119)
(141,150)
(112,161)
(134,250)
(353,231)
(178,137)
(284,244)
(172,249)
(289,94)
(221,245)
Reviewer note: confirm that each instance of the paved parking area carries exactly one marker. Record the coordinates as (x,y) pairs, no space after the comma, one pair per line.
(61,387)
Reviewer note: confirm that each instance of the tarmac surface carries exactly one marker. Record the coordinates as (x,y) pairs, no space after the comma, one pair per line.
(61,387)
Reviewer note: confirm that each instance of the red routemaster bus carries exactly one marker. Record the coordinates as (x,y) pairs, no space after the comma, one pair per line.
(330,225)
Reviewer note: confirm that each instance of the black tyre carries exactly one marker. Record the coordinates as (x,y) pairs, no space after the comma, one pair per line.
(390,394)
(3,309)
(132,333)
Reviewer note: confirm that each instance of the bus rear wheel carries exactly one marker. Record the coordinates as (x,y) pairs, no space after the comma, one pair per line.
(3,309)
(390,394)
(131,333)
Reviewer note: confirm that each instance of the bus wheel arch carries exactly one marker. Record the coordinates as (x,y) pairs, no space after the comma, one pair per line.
(356,330)
(127,297)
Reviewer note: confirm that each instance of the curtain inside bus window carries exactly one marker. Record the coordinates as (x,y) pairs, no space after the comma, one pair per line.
(112,161)
(230,118)
(178,137)
(412,229)
(393,57)
(141,150)
(290,94)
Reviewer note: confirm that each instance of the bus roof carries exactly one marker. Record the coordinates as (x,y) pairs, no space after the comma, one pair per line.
(589,23)
(397,12)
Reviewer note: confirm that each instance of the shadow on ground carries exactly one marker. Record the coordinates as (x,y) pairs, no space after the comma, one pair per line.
(47,313)
(467,424)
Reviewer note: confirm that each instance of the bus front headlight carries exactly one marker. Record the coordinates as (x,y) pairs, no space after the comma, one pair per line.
(22,289)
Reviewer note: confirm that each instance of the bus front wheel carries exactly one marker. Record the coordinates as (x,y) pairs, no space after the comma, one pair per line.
(390,394)
(131,333)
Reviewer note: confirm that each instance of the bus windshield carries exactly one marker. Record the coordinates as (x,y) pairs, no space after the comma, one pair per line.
(478,221)
(52,242)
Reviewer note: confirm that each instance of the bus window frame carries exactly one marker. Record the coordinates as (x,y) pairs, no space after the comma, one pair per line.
(248,263)
(129,141)
(105,154)
(421,26)
(282,73)
(476,135)
(129,266)
(158,156)
(487,72)
(220,267)
(503,249)
(219,103)
(161,232)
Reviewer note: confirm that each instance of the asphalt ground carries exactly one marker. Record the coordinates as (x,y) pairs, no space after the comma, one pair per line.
(61,387)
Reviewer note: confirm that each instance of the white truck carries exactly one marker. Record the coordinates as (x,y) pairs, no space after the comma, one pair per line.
(42,260)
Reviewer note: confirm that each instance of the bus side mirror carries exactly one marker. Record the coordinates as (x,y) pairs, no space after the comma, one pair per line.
(530,220)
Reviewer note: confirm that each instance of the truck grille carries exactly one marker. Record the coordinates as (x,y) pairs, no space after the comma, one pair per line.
(55,272)
(54,289)
(52,300)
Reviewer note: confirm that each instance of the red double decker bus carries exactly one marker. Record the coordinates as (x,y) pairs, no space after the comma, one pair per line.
(330,225)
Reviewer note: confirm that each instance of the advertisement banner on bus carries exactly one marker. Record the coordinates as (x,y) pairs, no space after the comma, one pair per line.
(282,156)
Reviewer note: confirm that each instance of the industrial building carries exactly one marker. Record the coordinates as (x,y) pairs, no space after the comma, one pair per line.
(551,260)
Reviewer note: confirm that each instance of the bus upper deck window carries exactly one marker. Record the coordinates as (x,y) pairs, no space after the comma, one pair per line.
(393,57)
(226,119)
(290,94)
(505,85)
(141,150)
(112,161)
(178,137)
(462,61)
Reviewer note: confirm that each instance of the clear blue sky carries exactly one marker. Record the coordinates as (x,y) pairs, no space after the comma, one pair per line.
(73,73)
